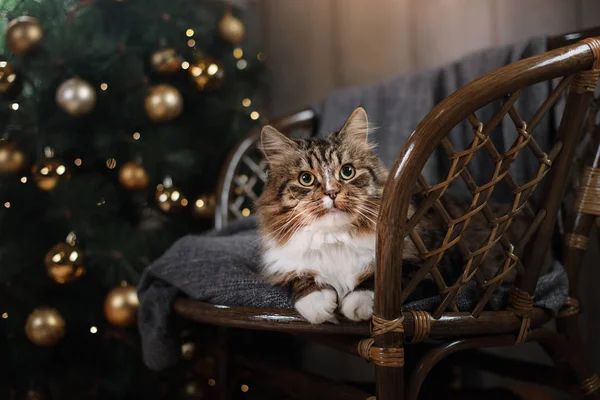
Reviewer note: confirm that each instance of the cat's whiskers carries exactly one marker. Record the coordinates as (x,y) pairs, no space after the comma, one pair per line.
(300,202)
(359,210)
(278,222)
(309,219)
(289,222)
(376,204)
(296,217)
(369,211)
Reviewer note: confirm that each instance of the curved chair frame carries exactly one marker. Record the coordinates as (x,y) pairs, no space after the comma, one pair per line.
(582,61)
(455,331)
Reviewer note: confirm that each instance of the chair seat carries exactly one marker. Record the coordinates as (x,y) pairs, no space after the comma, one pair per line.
(286,320)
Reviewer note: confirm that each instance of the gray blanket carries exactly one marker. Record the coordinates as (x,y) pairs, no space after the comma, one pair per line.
(221,267)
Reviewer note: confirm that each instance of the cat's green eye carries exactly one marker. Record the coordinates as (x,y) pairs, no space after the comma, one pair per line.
(306,179)
(347,172)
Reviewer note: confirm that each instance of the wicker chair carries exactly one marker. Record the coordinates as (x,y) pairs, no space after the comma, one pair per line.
(572,165)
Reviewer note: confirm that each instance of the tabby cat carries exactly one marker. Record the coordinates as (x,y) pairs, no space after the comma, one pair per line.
(317,221)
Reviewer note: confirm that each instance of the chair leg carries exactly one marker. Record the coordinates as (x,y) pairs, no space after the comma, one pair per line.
(564,347)
(390,383)
(223,364)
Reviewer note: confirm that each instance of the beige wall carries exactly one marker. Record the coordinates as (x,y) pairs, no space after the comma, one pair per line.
(314,46)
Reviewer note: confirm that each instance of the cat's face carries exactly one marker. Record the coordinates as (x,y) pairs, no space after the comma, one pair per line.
(309,179)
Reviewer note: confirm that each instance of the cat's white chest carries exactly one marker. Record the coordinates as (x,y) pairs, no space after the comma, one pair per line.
(326,247)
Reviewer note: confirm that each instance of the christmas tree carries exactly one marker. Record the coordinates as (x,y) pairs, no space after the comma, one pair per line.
(115,117)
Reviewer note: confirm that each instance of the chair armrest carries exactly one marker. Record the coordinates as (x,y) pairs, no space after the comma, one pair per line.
(392,222)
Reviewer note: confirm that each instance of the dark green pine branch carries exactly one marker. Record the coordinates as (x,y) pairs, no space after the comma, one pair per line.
(106,42)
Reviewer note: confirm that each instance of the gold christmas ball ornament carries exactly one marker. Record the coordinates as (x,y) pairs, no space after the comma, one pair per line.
(231,29)
(207,73)
(23,35)
(8,76)
(12,160)
(45,326)
(64,263)
(204,206)
(165,61)
(133,176)
(121,306)
(163,103)
(170,199)
(33,394)
(188,350)
(76,97)
(48,173)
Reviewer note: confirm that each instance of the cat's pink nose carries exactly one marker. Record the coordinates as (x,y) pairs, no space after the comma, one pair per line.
(332,194)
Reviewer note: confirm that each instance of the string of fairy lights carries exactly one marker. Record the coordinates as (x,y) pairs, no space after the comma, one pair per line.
(65,261)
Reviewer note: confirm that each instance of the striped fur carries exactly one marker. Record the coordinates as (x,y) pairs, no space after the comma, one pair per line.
(304,229)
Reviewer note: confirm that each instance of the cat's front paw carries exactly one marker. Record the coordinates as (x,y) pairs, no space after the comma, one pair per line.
(319,306)
(358,305)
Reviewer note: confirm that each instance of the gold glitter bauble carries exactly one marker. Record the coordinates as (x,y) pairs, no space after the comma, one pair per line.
(64,263)
(8,76)
(133,176)
(23,35)
(45,327)
(12,160)
(188,350)
(165,61)
(121,306)
(204,206)
(170,199)
(231,29)
(76,97)
(207,73)
(163,103)
(47,173)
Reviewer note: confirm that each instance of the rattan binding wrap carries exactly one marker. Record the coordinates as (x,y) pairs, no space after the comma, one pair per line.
(594,44)
(422,322)
(379,325)
(521,303)
(585,81)
(385,357)
(569,308)
(576,241)
(590,385)
(588,197)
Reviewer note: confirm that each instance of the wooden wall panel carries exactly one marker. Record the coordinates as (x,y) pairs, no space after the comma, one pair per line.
(315,46)
(445,30)
(299,43)
(374,40)
(519,19)
(590,13)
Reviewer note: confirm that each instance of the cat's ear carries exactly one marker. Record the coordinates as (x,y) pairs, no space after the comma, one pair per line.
(275,145)
(356,128)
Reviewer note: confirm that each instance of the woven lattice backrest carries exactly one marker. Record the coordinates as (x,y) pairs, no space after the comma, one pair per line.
(483,165)
(486,253)
(245,172)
